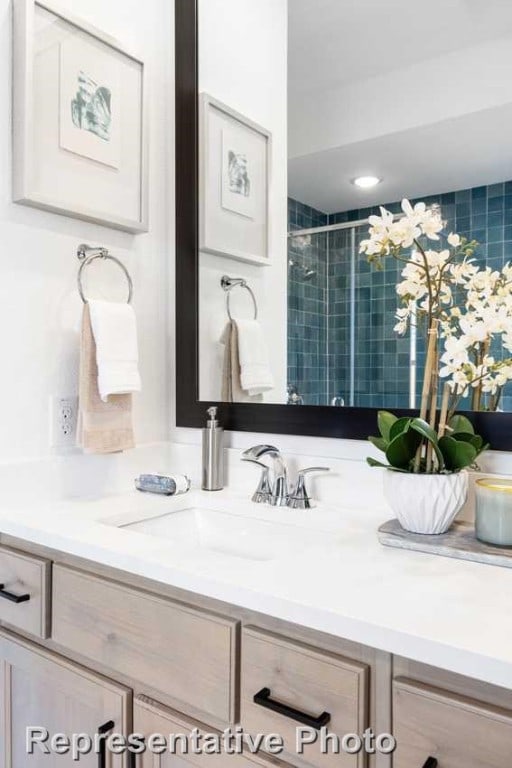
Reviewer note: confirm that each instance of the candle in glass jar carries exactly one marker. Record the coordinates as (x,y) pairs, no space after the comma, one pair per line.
(493,520)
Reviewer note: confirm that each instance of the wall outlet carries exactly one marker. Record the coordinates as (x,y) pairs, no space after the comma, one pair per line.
(64,418)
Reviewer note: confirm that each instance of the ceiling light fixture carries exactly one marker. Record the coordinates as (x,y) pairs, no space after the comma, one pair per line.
(366,182)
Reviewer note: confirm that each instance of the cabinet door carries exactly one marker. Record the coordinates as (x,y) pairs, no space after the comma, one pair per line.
(152,718)
(40,689)
(438,728)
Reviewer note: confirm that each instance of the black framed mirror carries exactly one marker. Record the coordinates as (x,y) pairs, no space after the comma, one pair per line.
(321,420)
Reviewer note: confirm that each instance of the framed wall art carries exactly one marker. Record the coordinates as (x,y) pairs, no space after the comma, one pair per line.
(79,120)
(234,184)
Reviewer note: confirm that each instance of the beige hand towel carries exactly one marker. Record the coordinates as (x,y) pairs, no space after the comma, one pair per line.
(103,427)
(232,391)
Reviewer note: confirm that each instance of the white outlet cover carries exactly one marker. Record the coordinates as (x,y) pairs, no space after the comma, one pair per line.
(63,421)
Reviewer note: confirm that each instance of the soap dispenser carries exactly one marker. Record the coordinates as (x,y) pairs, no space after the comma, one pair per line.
(213,453)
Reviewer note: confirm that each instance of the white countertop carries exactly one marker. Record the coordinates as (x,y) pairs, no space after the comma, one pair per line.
(332,575)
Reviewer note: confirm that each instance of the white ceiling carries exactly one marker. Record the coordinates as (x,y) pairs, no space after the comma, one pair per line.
(337,41)
(337,47)
(458,154)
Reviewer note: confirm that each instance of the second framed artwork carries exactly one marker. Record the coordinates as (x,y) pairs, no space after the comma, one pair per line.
(234,184)
(79,120)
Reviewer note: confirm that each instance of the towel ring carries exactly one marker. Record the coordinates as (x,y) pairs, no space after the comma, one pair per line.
(228,283)
(87,254)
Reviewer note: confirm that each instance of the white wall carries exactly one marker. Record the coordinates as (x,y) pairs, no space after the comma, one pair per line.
(243,62)
(39,305)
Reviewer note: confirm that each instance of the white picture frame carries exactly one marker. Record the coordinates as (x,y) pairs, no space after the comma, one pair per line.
(234,184)
(74,153)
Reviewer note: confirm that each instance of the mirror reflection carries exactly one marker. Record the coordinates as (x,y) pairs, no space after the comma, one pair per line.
(314,115)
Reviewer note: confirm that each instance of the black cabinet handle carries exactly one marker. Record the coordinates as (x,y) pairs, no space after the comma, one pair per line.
(12,597)
(262,698)
(431,763)
(102,756)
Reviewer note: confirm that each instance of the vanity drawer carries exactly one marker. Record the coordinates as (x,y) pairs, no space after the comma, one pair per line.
(151,717)
(457,731)
(185,653)
(290,674)
(25,592)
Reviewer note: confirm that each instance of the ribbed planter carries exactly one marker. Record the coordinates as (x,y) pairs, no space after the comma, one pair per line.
(425,503)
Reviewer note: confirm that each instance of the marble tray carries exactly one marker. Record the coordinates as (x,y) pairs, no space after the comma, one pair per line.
(458,542)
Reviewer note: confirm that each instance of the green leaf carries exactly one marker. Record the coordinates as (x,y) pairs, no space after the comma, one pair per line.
(385,421)
(400,425)
(402,449)
(424,428)
(374,463)
(465,437)
(460,423)
(426,431)
(379,443)
(457,453)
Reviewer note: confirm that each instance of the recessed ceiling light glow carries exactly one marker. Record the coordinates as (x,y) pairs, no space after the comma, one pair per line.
(366,182)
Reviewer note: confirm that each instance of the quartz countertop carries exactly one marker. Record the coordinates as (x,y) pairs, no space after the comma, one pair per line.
(331,574)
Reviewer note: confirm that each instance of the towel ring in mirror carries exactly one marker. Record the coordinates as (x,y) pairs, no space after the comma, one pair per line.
(87,255)
(228,283)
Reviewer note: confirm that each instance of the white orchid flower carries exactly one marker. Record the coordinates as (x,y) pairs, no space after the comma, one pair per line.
(415,214)
(431,226)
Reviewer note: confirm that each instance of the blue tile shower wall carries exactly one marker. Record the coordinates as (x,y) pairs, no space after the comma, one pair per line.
(381,358)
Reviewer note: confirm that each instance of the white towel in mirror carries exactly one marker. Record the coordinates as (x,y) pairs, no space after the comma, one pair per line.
(255,374)
(232,391)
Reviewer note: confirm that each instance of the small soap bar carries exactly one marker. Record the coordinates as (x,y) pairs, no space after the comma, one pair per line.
(167,485)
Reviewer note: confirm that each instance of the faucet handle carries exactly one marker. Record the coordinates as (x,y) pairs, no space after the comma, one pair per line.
(251,454)
(263,492)
(299,499)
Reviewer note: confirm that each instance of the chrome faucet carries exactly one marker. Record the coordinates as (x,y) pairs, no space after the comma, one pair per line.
(275,490)
(278,488)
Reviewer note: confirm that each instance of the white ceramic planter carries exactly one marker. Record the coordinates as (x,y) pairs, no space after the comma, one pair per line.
(425,503)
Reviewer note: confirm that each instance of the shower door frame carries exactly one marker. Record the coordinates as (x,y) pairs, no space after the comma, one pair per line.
(308,420)
(327,229)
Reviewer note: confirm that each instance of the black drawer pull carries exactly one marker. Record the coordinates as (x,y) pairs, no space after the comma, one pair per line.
(13,598)
(102,754)
(262,698)
(431,763)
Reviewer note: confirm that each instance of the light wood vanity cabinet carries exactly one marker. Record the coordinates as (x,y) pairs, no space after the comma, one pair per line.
(139,656)
(41,689)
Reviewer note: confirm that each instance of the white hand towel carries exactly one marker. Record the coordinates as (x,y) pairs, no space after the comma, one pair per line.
(114,329)
(255,374)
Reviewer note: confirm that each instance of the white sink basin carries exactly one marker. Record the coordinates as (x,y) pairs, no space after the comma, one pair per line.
(227,526)
(221,532)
